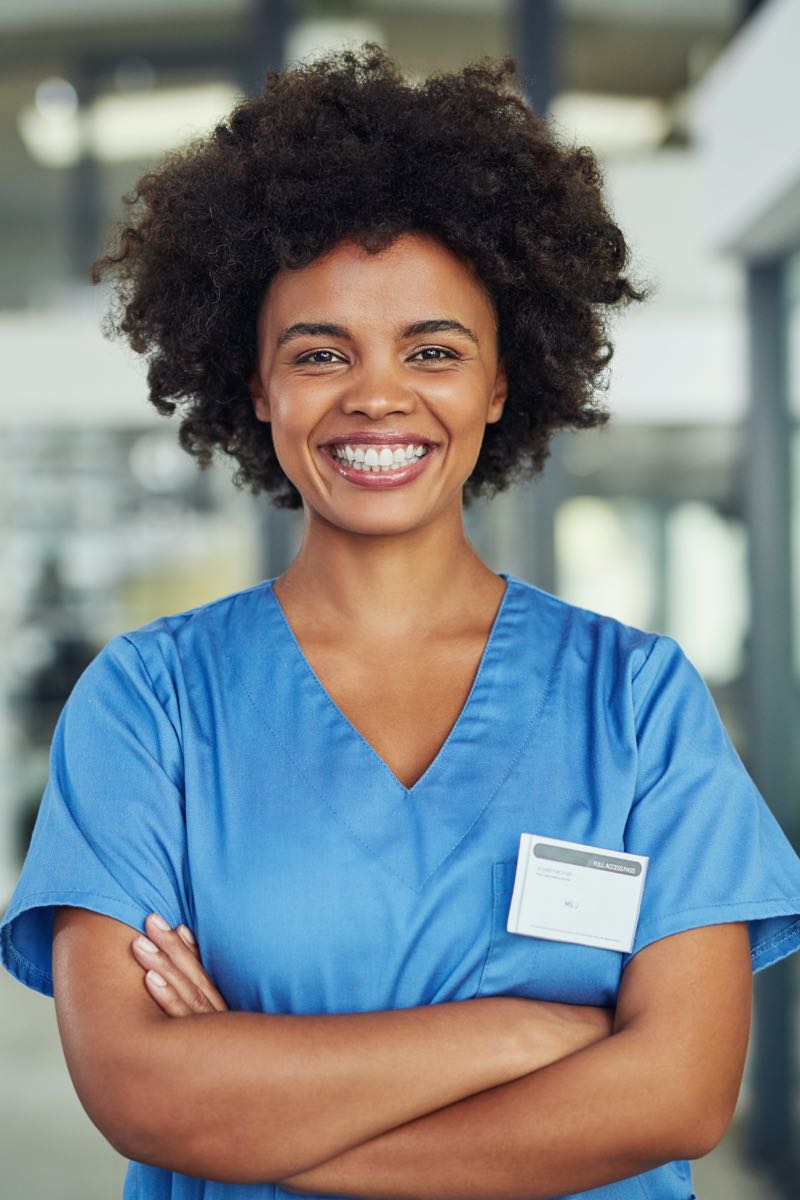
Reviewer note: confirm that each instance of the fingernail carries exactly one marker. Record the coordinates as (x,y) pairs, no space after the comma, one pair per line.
(147,945)
(154,977)
(187,934)
(158,921)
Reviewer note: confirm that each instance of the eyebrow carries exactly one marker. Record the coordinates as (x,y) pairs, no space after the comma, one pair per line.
(325,329)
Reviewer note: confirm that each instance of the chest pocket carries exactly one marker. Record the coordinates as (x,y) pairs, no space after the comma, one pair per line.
(539,968)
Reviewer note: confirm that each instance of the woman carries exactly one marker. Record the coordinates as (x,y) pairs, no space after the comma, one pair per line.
(381,300)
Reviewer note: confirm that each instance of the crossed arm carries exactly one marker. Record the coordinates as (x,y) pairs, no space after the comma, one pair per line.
(622,1105)
(496,1097)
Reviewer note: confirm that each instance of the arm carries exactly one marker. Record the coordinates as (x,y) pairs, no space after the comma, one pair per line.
(248,1097)
(663,1086)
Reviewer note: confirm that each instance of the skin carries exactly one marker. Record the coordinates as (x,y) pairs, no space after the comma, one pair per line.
(252,1096)
(389,575)
(497,1096)
(481,1146)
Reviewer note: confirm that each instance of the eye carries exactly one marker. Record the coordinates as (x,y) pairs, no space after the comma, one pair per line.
(436,350)
(310,355)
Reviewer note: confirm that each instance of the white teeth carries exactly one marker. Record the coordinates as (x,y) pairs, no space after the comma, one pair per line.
(374,458)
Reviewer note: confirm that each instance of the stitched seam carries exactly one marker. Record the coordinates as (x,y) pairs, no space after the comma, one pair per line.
(647,657)
(189,614)
(71,892)
(179,735)
(329,700)
(524,744)
(407,792)
(156,697)
(777,938)
(492,938)
(166,907)
(337,816)
(27,964)
(24,964)
(791,931)
(636,713)
(731,904)
(301,771)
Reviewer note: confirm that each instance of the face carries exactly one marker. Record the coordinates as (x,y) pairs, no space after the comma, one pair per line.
(378,374)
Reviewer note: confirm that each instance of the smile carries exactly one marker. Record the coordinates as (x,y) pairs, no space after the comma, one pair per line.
(371,466)
(370,458)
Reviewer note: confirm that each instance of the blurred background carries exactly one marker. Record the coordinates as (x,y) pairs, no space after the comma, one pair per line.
(681,516)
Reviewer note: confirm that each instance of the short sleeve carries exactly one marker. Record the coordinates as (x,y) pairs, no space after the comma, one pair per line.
(110,831)
(717,854)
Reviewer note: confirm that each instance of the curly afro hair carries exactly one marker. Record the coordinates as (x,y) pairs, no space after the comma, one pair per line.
(347,148)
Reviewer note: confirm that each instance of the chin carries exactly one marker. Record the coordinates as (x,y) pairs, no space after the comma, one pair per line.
(375,522)
(379,527)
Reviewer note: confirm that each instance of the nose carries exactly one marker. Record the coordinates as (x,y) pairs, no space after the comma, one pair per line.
(377,392)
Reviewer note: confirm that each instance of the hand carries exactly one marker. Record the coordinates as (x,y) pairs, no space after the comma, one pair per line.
(175,977)
(549,1030)
(579,1025)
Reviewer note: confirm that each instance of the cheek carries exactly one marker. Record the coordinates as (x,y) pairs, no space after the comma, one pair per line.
(294,417)
(294,440)
(464,417)
(292,453)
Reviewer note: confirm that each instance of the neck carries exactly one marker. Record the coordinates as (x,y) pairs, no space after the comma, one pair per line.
(388,587)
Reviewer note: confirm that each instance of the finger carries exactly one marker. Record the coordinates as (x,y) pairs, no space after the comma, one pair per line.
(188,963)
(187,958)
(174,941)
(165,995)
(187,936)
(187,986)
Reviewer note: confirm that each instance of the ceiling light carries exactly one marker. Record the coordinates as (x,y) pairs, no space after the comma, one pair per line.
(125,126)
(56,99)
(610,123)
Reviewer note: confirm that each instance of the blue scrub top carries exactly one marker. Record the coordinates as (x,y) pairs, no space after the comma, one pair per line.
(200,770)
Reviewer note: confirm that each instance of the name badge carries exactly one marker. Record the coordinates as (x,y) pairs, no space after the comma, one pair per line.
(568,892)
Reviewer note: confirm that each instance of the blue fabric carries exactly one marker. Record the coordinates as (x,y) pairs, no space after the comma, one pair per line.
(200,770)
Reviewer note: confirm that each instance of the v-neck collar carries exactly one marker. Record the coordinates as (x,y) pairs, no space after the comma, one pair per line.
(412,831)
(380,763)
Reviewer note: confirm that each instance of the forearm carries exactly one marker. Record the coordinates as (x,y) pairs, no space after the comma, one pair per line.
(249,1097)
(606,1112)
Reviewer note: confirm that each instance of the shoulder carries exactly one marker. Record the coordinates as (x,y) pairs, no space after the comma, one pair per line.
(202,618)
(590,640)
(159,656)
(226,618)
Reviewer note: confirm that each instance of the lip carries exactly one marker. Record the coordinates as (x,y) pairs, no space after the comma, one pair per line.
(395,437)
(378,479)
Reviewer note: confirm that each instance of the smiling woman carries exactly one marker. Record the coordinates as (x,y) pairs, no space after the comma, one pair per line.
(409,411)
(311,794)
(344,149)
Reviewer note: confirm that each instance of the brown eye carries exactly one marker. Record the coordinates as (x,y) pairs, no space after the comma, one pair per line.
(310,355)
(436,350)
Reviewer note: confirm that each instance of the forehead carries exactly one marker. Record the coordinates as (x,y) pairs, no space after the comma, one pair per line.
(416,273)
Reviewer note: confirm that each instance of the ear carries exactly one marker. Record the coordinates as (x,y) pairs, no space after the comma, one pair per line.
(499,393)
(258,397)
